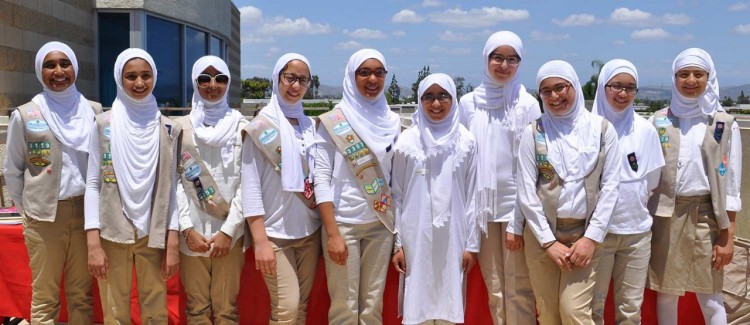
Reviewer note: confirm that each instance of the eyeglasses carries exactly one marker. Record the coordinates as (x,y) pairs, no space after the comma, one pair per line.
(204,80)
(291,78)
(441,97)
(618,88)
(558,89)
(367,72)
(499,59)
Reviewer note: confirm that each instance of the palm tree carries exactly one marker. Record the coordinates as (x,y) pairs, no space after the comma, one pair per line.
(589,89)
(315,85)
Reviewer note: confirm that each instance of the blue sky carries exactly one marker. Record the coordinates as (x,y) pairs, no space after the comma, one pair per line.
(449,35)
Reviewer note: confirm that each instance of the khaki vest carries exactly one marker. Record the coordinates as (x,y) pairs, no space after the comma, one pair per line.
(363,164)
(114,225)
(549,184)
(265,136)
(715,152)
(197,181)
(41,187)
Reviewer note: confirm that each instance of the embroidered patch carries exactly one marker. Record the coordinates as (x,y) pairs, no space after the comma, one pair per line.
(662,122)
(257,124)
(180,169)
(355,148)
(107,159)
(207,194)
(662,131)
(309,189)
(342,128)
(39,162)
(278,150)
(719,131)
(382,204)
(362,169)
(32,113)
(420,171)
(37,126)
(633,161)
(545,168)
(109,177)
(192,171)
(350,138)
(664,138)
(363,160)
(336,117)
(268,136)
(540,138)
(373,187)
(107,132)
(541,158)
(39,148)
(722,169)
(186,155)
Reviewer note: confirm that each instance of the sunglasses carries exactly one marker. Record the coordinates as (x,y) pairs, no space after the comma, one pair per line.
(204,80)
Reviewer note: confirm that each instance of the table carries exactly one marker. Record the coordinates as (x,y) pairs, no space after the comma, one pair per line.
(254,303)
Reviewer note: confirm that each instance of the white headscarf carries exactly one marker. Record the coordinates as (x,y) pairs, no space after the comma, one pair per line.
(278,110)
(214,123)
(622,120)
(491,94)
(135,142)
(371,119)
(708,102)
(573,137)
(68,114)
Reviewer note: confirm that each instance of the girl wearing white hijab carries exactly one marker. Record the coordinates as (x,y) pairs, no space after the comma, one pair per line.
(569,171)
(285,230)
(496,113)
(357,240)
(131,207)
(698,194)
(433,179)
(627,246)
(211,253)
(47,148)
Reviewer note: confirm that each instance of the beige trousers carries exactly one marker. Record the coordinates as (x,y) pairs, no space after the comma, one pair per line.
(356,289)
(55,248)
(211,286)
(506,276)
(562,297)
(296,263)
(625,261)
(115,291)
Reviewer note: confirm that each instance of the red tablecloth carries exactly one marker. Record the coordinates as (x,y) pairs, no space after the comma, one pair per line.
(254,305)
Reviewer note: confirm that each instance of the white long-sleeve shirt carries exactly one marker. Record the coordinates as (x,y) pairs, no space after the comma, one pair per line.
(74,165)
(284,214)
(334,182)
(228,181)
(93,181)
(572,195)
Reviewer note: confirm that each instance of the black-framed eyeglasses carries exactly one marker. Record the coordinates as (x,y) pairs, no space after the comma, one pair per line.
(291,78)
(367,72)
(441,97)
(618,88)
(558,89)
(204,80)
(499,59)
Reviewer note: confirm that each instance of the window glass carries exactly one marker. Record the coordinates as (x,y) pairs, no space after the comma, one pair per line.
(164,43)
(195,48)
(115,40)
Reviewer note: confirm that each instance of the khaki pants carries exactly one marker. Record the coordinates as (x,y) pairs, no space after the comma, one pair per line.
(506,276)
(625,261)
(296,263)
(562,297)
(115,291)
(55,248)
(211,286)
(356,288)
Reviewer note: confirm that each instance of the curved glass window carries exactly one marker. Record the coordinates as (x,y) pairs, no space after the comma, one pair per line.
(164,43)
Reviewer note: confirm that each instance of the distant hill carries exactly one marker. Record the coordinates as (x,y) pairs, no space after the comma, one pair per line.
(336,91)
(653,92)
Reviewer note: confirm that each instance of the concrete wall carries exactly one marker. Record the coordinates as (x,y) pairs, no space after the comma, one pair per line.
(743,218)
(26,25)
(234,60)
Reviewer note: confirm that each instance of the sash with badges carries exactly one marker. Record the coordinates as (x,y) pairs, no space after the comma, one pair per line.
(362,163)
(265,136)
(196,179)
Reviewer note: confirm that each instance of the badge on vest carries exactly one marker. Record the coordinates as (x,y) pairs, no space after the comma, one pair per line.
(268,136)
(107,159)
(540,138)
(374,186)
(336,117)
(722,169)
(32,113)
(633,161)
(663,122)
(37,126)
(38,148)
(109,177)
(39,162)
(719,131)
(382,204)
(107,132)
(342,128)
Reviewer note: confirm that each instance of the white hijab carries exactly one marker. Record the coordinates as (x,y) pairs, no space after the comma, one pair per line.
(371,119)
(214,123)
(632,140)
(573,137)
(68,114)
(278,110)
(135,142)
(491,94)
(708,102)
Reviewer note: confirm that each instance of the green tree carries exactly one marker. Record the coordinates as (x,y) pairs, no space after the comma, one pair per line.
(415,86)
(460,88)
(727,101)
(255,87)
(742,98)
(315,85)
(394,92)
(589,89)
(469,88)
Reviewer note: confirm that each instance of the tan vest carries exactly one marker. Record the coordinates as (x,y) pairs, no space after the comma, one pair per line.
(265,136)
(41,187)
(715,152)
(196,179)
(549,184)
(363,164)
(114,225)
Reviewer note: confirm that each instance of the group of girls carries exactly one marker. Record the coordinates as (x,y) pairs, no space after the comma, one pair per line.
(552,206)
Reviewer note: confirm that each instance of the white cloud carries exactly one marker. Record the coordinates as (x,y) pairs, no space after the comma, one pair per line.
(366,33)
(542,36)
(742,29)
(485,16)
(350,45)
(432,3)
(677,19)
(407,16)
(250,15)
(738,6)
(650,34)
(288,26)
(627,16)
(619,42)
(451,36)
(576,20)
(399,33)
